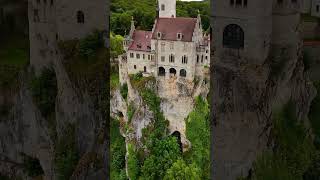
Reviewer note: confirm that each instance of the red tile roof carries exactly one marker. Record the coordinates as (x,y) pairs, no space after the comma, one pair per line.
(141,41)
(169,27)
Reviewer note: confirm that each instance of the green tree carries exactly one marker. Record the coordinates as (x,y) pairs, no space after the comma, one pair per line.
(163,155)
(198,133)
(133,163)
(116,46)
(180,170)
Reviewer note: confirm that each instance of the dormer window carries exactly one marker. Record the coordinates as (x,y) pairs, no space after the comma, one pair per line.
(139,46)
(148,47)
(159,35)
(179,36)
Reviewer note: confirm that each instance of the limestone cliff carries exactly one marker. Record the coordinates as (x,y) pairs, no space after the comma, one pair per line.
(245,97)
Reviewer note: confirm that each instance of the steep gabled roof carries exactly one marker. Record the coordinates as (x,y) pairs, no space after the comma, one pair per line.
(141,41)
(170,27)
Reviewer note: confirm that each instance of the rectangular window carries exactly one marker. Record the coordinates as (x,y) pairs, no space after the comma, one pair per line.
(138,56)
(36,17)
(143,56)
(318,8)
(131,55)
(171,46)
(231,2)
(148,56)
(163,58)
(163,46)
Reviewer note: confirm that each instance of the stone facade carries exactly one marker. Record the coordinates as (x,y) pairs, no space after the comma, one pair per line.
(176,47)
(51,21)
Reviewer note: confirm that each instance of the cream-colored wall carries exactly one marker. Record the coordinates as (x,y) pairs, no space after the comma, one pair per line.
(178,51)
(170,8)
(140,63)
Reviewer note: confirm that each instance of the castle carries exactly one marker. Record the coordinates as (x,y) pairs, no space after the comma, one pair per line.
(175,48)
(51,21)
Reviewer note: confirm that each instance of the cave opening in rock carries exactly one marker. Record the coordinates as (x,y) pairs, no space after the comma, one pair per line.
(178,136)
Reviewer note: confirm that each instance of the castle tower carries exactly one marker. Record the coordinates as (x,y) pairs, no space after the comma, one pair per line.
(167,8)
(241,30)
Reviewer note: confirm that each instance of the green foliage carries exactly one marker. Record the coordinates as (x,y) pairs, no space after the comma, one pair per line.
(114,81)
(133,163)
(294,150)
(116,46)
(180,170)
(124,90)
(198,133)
(144,13)
(131,111)
(44,91)
(163,154)
(117,151)
(32,166)
(160,125)
(89,45)
(66,154)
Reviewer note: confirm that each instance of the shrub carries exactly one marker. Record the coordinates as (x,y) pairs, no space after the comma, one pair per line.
(66,154)
(44,91)
(124,90)
(89,45)
(131,111)
(32,166)
(117,147)
(133,163)
(293,152)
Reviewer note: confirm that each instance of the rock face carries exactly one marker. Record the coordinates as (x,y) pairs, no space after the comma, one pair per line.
(245,95)
(26,131)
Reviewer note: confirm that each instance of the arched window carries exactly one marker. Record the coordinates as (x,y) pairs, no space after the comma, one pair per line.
(173,71)
(233,37)
(183,73)
(80,17)
(162,71)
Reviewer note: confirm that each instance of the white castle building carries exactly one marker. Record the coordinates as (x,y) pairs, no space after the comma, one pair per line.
(175,48)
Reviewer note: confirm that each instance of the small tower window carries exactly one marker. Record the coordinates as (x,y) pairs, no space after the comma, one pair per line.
(163,7)
(80,17)
(233,37)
